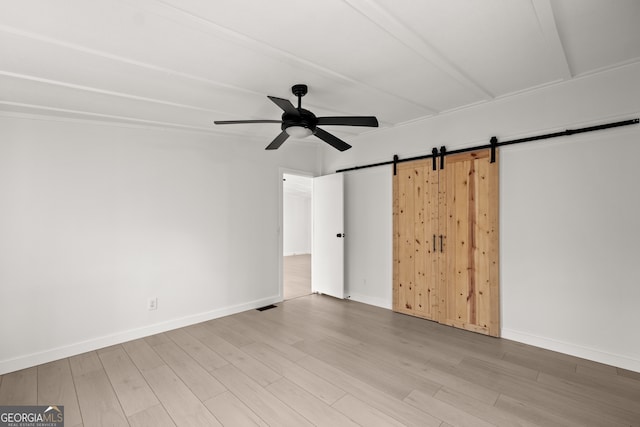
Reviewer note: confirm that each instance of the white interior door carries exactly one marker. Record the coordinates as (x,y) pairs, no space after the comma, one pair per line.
(327,255)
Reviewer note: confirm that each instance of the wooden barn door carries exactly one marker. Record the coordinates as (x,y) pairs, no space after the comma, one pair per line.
(469,292)
(446,241)
(415,224)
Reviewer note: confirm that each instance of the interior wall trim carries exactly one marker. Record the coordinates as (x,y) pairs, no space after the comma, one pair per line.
(34,359)
(565,347)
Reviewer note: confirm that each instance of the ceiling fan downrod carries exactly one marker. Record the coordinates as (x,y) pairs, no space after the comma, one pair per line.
(299,90)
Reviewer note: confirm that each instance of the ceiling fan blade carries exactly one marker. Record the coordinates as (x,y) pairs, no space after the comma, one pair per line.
(285,104)
(233,122)
(334,141)
(277,142)
(370,121)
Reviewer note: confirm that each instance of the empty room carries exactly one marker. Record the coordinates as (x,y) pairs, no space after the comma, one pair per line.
(340,212)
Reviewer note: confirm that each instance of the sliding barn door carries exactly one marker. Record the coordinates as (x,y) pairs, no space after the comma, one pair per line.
(415,244)
(469,293)
(446,241)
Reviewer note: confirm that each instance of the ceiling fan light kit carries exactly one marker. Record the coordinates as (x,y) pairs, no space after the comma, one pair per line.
(298,131)
(300,123)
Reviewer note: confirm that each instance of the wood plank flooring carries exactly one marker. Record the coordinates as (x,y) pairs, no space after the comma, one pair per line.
(316,360)
(297,276)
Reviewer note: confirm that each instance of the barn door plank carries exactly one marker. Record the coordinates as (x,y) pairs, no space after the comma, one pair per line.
(471,286)
(406,220)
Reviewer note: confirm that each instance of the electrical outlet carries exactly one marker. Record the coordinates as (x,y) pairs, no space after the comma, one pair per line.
(152,303)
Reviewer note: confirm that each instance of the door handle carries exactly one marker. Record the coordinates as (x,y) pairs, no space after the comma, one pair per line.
(441,250)
(434,243)
(340,235)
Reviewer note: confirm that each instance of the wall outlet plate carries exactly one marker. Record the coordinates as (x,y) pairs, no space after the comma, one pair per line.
(152,303)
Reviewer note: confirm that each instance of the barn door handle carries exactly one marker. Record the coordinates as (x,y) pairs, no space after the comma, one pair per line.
(441,250)
(434,243)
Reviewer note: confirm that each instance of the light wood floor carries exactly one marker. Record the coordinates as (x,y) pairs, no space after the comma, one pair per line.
(316,360)
(297,276)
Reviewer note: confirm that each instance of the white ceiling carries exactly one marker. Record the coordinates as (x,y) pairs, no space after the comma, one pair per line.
(184,63)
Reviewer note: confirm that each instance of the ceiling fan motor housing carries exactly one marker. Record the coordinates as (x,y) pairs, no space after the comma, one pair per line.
(306,119)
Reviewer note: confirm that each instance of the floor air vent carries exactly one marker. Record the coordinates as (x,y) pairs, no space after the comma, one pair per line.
(266,307)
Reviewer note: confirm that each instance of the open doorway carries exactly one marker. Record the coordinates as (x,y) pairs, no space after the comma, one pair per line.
(297,193)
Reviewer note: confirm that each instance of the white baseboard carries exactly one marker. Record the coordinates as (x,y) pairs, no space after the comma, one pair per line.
(378,302)
(595,355)
(46,356)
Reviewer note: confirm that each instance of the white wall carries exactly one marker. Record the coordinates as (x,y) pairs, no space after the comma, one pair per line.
(296,218)
(95,219)
(570,277)
(570,228)
(368,236)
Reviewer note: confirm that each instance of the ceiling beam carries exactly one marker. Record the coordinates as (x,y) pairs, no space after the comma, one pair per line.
(376,14)
(547,22)
(173,11)
(111,93)
(118,58)
(69,114)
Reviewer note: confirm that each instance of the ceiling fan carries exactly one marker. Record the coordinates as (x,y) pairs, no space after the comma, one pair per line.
(300,123)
